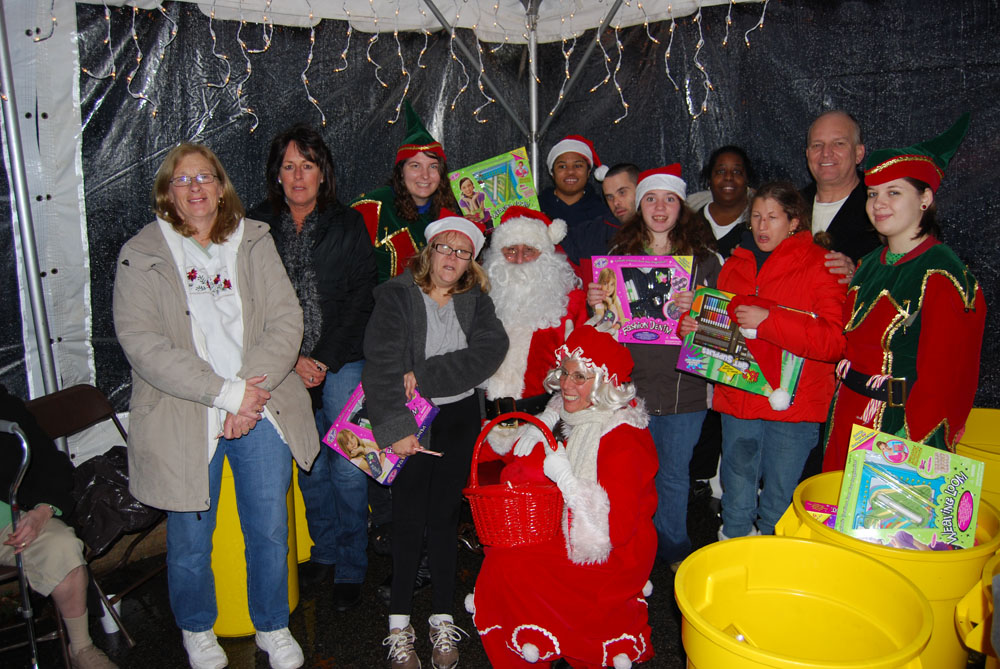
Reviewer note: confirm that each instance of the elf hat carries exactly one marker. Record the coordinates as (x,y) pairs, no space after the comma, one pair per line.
(417,138)
(925,161)
(449,222)
(521,225)
(661,178)
(598,350)
(584,147)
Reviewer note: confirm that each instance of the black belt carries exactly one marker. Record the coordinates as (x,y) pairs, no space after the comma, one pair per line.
(893,392)
(502,405)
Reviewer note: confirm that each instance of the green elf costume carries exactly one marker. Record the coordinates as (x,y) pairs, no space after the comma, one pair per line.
(914,326)
(395,238)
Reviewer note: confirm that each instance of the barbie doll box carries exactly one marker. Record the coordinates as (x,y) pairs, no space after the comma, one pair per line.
(351,436)
(904,494)
(640,306)
(485,190)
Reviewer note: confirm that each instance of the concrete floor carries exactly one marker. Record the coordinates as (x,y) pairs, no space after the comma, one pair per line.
(353,640)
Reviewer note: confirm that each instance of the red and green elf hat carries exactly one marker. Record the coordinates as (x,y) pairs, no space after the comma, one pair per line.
(417,138)
(925,161)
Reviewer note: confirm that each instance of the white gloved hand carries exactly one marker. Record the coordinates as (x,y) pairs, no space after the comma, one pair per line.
(558,468)
(528,437)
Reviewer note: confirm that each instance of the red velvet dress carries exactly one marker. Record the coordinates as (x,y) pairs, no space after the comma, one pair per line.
(922,319)
(587,613)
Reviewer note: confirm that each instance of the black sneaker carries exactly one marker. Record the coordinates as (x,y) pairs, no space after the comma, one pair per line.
(312,573)
(346,596)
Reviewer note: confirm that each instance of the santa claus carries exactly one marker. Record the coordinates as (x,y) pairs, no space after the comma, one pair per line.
(539,300)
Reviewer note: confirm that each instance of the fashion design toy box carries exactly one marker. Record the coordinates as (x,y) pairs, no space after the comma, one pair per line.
(904,494)
(641,289)
(351,436)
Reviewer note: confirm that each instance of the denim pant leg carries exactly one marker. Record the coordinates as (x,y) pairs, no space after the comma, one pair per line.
(675,437)
(190,580)
(786,449)
(262,473)
(740,471)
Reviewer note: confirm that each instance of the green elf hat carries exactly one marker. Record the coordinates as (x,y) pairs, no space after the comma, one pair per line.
(417,138)
(925,161)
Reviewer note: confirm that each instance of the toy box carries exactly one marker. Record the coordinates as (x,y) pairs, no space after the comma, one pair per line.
(486,189)
(905,494)
(824,513)
(718,351)
(351,436)
(641,306)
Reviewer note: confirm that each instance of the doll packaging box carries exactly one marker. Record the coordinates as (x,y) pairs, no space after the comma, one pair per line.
(351,437)
(904,494)
(641,306)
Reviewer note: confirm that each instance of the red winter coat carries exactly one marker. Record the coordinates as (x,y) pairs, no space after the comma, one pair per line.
(794,276)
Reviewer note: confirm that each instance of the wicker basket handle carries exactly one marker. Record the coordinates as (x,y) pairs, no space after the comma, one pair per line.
(519,415)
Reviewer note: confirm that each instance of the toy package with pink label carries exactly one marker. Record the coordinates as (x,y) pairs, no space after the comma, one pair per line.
(641,306)
(351,436)
(904,494)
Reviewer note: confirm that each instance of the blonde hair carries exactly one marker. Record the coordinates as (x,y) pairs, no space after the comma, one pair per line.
(474,275)
(230,210)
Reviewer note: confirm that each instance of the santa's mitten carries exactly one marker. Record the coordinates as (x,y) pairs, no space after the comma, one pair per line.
(558,468)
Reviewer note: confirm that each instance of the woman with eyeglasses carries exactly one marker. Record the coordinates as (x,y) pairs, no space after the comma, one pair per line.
(211,326)
(433,328)
(581,595)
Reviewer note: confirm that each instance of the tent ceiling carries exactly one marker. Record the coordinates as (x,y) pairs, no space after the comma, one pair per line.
(493,20)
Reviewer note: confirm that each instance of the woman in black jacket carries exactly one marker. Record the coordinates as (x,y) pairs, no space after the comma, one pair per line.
(329,259)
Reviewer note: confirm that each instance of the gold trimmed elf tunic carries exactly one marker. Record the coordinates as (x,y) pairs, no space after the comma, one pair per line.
(921,319)
(395,239)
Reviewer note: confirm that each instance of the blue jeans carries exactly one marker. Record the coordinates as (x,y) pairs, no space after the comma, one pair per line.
(336,492)
(763,453)
(262,472)
(675,436)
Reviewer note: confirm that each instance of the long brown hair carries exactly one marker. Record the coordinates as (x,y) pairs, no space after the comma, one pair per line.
(230,211)
(420,267)
(789,199)
(689,235)
(406,207)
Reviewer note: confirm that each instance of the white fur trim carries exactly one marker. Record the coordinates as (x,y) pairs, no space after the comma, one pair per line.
(779,399)
(647,589)
(588,534)
(457,224)
(470,603)
(600,172)
(666,182)
(565,146)
(622,661)
(508,380)
(529,652)
(502,439)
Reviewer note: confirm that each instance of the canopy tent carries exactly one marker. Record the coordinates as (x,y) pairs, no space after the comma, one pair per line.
(113,88)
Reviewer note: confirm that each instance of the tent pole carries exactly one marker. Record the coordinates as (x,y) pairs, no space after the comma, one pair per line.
(15,156)
(579,68)
(533,85)
(489,82)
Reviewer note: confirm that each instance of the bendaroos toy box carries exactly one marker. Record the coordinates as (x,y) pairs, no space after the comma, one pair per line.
(486,189)
(904,494)
(641,290)
(351,437)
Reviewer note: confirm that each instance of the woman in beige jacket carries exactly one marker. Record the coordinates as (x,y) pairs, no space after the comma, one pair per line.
(211,326)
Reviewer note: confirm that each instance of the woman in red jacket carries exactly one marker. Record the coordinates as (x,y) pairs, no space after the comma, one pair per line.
(786,300)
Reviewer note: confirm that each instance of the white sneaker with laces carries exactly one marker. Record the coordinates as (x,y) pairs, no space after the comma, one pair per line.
(283,651)
(204,651)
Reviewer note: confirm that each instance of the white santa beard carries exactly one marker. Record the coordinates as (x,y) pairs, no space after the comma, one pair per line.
(533,294)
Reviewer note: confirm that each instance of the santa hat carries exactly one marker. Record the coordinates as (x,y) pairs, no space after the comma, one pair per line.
(521,225)
(581,145)
(925,161)
(417,138)
(599,350)
(661,178)
(449,222)
(770,358)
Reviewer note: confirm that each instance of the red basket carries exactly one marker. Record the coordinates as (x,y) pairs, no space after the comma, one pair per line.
(507,515)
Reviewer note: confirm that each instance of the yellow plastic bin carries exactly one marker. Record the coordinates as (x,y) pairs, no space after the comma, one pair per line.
(974,614)
(230,567)
(944,577)
(303,541)
(982,442)
(784,602)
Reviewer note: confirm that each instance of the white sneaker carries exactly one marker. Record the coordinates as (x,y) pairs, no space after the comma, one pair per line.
(204,651)
(754,532)
(283,651)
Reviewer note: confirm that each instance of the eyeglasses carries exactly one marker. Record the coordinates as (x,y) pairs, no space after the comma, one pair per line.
(184,181)
(446,250)
(527,253)
(578,378)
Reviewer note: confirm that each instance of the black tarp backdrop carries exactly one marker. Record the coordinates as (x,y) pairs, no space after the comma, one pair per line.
(906,69)
(13,374)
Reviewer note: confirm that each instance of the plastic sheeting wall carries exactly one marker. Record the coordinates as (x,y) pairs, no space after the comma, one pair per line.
(905,69)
